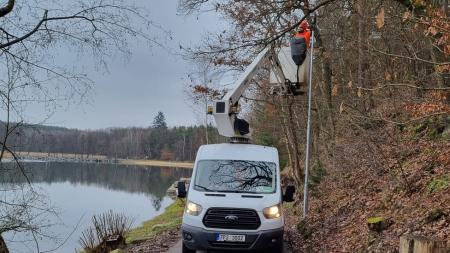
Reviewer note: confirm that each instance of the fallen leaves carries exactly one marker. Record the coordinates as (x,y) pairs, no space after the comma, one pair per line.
(359,93)
(356,188)
(380,18)
(350,84)
(334,91)
(424,109)
(406,15)
(445,68)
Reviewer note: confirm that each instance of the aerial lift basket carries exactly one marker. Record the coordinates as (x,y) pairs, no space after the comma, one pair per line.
(295,77)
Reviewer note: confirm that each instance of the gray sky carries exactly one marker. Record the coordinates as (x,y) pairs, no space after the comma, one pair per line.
(153,80)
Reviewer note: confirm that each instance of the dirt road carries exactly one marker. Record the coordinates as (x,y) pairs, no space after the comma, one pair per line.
(177,249)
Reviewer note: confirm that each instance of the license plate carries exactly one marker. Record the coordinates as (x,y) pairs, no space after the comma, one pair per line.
(230,238)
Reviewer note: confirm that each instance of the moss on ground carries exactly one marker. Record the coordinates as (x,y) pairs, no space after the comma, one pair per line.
(438,184)
(170,219)
(373,220)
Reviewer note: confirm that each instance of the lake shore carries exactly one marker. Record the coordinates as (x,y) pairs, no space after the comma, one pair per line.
(157,163)
(157,235)
(65,157)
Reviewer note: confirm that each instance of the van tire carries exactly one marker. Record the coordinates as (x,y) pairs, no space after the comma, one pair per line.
(277,249)
(187,250)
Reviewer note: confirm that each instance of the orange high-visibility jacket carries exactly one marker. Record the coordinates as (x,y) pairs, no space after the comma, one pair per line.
(306,35)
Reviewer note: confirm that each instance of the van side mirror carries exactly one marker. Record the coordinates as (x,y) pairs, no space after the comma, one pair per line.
(288,195)
(181,189)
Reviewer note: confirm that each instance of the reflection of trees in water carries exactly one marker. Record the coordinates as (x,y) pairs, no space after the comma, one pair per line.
(243,175)
(134,179)
(156,203)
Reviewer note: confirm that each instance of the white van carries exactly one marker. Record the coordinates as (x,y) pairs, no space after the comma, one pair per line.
(234,200)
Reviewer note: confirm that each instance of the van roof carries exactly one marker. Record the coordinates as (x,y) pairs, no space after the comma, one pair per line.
(248,152)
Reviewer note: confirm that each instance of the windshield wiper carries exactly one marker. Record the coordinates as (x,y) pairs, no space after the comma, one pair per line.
(237,191)
(233,191)
(203,187)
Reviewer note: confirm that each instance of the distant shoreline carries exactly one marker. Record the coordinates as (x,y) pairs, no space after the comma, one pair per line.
(157,163)
(63,157)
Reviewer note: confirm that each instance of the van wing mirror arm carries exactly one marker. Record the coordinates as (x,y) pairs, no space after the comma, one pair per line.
(288,195)
(181,189)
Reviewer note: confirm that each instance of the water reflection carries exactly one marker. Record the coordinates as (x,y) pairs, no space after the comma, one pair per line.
(82,190)
(133,179)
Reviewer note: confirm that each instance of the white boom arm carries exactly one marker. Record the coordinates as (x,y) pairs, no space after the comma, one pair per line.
(225,110)
(242,83)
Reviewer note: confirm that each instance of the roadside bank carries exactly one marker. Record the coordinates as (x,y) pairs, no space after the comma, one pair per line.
(159,233)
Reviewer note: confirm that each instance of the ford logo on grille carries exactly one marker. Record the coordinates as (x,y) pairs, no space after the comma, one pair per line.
(231,218)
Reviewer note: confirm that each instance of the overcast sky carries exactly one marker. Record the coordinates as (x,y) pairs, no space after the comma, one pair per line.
(153,80)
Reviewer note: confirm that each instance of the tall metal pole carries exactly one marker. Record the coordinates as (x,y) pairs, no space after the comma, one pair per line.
(308,130)
(206,106)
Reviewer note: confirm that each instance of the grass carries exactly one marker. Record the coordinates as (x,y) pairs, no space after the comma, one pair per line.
(170,219)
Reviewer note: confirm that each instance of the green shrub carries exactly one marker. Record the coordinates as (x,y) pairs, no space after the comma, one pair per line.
(434,215)
(438,184)
(318,172)
(304,230)
(432,128)
(264,138)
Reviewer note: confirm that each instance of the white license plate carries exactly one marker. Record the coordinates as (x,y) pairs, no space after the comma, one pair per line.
(230,238)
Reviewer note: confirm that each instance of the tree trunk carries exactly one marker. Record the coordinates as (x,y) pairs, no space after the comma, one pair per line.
(3,248)
(360,49)
(445,7)
(292,139)
(420,244)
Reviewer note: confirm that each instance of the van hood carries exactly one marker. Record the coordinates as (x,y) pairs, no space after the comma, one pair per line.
(234,200)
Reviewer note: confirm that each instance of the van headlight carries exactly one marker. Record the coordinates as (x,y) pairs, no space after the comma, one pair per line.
(272,212)
(193,209)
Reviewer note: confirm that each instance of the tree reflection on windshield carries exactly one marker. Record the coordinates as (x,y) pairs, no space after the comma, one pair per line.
(235,176)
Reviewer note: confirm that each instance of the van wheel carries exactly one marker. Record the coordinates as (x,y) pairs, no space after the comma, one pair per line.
(277,249)
(187,250)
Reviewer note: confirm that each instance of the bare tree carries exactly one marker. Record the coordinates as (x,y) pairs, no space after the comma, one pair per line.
(32,35)
(359,42)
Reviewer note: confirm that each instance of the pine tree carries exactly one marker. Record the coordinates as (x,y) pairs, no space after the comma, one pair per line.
(159,122)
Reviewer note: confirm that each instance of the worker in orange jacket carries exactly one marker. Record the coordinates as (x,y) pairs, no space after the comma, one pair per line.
(300,43)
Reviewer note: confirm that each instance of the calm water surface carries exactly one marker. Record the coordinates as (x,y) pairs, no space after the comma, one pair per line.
(78,191)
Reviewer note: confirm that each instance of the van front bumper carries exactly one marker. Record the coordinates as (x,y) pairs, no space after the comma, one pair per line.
(201,239)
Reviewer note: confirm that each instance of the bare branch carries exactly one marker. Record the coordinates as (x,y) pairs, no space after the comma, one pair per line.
(7,9)
(415,58)
(403,85)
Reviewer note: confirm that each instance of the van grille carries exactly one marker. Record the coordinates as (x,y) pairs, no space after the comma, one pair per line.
(231,245)
(231,218)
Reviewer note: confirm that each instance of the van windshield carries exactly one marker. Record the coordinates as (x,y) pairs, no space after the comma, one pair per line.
(235,176)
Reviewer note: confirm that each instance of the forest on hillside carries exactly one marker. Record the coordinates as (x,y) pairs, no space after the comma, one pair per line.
(380,114)
(154,142)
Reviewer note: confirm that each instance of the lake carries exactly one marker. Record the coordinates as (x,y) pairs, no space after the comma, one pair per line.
(77,191)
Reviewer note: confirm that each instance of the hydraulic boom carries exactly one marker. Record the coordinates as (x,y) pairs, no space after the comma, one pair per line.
(283,77)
